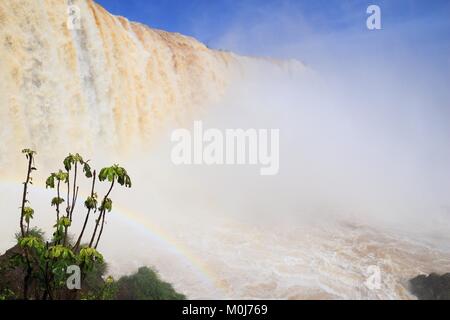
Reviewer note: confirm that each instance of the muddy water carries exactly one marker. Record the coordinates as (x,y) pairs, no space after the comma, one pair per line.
(312,262)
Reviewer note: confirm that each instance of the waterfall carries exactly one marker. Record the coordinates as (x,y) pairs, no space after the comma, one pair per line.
(354,189)
(110,84)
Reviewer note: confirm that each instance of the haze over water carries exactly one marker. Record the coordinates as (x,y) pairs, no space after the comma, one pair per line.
(364,161)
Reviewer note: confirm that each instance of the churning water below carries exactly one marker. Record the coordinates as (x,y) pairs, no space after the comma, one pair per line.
(239,260)
(312,262)
(226,258)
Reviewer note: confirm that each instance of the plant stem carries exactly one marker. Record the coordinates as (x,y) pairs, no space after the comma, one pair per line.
(27,277)
(101,229)
(87,215)
(74,192)
(68,194)
(101,216)
(57,203)
(24,197)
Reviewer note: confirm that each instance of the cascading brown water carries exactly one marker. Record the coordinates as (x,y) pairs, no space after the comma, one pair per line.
(113,89)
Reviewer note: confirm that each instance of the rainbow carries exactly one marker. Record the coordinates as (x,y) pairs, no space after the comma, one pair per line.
(173,243)
(137,220)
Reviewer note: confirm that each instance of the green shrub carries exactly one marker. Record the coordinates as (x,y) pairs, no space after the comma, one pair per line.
(145,285)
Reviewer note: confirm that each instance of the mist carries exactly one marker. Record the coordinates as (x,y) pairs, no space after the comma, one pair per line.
(364,141)
(364,118)
(364,132)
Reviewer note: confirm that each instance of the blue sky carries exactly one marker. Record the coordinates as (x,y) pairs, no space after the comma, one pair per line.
(415,34)
(215,15)
(303,29)
(208,20)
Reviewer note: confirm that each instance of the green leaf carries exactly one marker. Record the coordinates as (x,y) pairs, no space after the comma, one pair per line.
(78,158)
(68,162)
(115,173)
(103,174)
(61,176)
(71,159)
(63,222)
(107,205)
(31,242)
(50,182)
(28,152)
(58,234)
(87,170)
(60,251)
(57,201)
(91,202)
(28,213)
(89,256)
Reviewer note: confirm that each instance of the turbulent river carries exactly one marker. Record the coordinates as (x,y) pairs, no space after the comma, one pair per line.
(359,205)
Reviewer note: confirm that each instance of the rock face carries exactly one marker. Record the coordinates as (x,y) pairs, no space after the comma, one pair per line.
(431,287)
(10,277)
(105,82)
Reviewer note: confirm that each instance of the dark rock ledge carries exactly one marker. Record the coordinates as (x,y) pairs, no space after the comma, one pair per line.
(431,287)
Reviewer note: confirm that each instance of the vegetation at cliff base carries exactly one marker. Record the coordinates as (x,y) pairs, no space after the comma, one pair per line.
(146,285)
(64,267)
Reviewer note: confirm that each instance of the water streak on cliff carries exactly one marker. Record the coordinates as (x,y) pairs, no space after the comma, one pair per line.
(111,84)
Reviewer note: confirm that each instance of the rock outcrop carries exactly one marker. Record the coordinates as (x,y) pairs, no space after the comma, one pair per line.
(431,287)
